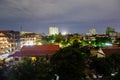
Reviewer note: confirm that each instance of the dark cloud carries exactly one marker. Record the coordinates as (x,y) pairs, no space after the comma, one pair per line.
(59,12)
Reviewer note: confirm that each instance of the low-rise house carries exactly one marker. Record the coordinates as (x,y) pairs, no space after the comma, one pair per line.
(35,51)
(102,52)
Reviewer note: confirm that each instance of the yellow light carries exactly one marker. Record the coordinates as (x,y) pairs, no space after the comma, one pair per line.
(33,58)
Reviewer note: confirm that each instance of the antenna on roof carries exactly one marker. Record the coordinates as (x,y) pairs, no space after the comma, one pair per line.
(21,28)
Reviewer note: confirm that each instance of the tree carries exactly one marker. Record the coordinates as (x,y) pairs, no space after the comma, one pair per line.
(114,60)
(2,76)
(69,64)
(75,44)
(117,76)
(59,38)
(3,69)
(101,41)
(85,43)
(32,70)
(51,39)
(101,66)
(74,38)
(118,41)
(108,66)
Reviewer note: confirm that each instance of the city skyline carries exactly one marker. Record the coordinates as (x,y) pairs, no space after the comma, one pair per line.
(72,16)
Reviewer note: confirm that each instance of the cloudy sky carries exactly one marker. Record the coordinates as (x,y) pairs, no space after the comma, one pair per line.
(69,15)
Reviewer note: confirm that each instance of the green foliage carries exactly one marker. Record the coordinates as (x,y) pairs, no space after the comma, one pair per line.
(75,44)
(51,39)
(74,38)
(101,41)
(85,43)
(118,41)
(2,76)
(107,66)
(30,70)
(117,76)
(69,64)
(85,50)
(59,38)
(114,60)
(101,66)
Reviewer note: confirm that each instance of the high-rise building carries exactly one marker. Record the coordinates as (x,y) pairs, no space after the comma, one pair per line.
(109,30)
(53,30)
(92,31)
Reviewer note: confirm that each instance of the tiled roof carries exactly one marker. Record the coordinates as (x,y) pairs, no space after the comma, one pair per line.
(42,47)
(8,31)
(30,51)
(33,53)
(108,51)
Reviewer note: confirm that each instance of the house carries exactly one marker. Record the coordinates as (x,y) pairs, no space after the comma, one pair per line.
(102,52)
(36,51)
(97,52)
(108,51)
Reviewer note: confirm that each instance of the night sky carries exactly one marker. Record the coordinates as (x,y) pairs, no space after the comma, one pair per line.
(73,16)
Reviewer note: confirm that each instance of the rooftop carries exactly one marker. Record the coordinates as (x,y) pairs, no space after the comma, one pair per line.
(31,51)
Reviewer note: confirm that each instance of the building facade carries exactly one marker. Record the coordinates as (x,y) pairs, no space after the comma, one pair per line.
(30,38)
(92,31)
(109,30)
(9,41)
(53,30)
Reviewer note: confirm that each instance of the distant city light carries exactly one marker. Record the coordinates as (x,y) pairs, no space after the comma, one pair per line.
(5,55)
(29,43)
(108,44)
(64,33)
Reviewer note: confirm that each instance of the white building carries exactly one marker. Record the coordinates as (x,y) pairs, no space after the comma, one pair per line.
(53,30)
(92,31)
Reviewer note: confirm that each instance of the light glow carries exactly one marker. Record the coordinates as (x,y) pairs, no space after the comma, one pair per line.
(108,44)
(64,33)
(5,55)
(29,43)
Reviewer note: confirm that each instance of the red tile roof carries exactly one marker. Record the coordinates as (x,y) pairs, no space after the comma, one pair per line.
(30,51)
(108,51)
(43,47)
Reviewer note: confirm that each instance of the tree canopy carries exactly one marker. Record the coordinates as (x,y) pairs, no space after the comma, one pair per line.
(69,64)
(32,70)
